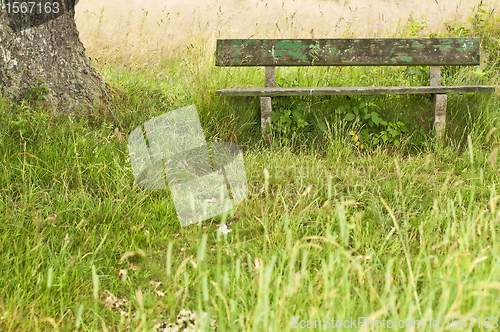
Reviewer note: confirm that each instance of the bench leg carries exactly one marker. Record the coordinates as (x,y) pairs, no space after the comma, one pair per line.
(266,106)
(439,106)
(438,103)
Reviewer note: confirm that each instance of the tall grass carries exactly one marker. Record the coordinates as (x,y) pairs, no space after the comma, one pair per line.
(404,234)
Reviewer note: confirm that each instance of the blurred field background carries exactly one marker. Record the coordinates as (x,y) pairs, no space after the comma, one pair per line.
(146,28)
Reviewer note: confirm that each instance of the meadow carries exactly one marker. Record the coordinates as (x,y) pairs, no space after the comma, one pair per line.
(401,232)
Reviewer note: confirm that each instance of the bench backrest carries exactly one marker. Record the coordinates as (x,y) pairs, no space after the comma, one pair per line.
(348,52)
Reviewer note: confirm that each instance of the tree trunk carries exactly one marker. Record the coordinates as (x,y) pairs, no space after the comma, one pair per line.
(44,45)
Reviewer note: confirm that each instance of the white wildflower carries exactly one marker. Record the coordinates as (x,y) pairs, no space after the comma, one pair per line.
(224,229)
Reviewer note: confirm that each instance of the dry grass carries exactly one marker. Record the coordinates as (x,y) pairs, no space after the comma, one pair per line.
(143,29)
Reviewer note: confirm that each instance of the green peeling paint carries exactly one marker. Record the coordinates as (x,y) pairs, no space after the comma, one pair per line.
(290,48)
(466,46)
(417,45)
(277,53)
(406,59)
(291,45)
(446,47)
(297,55)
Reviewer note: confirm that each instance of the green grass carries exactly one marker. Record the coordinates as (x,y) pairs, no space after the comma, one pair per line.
(327,230)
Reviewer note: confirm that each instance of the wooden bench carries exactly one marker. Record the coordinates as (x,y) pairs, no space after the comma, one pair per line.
(272,53)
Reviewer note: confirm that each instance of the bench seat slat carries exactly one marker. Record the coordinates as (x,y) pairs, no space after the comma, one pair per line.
(337,91)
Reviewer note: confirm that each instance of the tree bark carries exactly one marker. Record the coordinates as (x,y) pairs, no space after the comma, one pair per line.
(47,46)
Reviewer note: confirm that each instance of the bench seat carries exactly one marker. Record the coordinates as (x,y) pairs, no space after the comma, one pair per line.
(340,91)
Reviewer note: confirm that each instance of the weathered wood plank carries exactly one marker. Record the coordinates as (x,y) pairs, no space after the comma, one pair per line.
(336,91)
(348,52)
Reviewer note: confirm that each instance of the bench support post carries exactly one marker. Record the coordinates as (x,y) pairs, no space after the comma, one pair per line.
(439,102)
(265,102)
